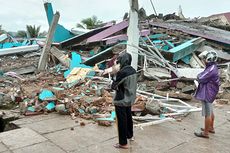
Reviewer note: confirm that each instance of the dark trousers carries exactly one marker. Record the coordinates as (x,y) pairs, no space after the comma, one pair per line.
(124,124)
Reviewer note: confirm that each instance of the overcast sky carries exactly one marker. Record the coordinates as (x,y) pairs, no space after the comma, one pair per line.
(16,14)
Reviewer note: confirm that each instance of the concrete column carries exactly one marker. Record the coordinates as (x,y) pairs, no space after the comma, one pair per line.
(133,32)
(46,49)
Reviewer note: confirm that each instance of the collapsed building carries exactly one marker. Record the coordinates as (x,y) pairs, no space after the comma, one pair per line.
(71,72)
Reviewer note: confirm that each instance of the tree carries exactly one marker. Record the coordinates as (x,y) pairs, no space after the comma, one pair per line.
(43,34)
(126,15)
(90,23)
(21,34)
(1,30)
(33,31)
(142,14)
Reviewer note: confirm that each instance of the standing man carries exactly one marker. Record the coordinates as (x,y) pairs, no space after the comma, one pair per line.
(207,90)
(125,86)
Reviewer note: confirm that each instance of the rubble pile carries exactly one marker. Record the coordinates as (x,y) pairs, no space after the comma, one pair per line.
(79,71)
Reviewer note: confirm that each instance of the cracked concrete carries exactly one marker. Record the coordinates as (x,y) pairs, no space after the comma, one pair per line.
(52,133)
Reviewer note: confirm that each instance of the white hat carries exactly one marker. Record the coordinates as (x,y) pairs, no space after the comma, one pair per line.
(209,56)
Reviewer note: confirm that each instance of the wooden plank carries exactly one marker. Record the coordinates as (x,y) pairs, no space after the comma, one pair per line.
(60,56)
(24,69)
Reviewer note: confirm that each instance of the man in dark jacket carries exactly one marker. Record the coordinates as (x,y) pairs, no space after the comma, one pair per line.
(125,86)
(207,90)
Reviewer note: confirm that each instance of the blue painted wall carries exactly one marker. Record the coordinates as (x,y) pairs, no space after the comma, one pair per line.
(61,33)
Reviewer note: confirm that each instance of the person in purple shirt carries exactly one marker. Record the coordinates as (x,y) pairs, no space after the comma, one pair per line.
(207,90)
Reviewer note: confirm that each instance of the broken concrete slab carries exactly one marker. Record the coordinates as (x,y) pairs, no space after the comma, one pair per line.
(221,54)
(79,140)
(20,138)
(190,73)
(24,70)
(20,49)
(64,59)
(188,89)
(195,62)
(222,101)
(174,95)
(158,72)
(3,37)
(21,69)
(207,32)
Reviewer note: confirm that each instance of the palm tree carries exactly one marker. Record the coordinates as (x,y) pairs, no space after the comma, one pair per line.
(90,23)
(21,34)
(33,31)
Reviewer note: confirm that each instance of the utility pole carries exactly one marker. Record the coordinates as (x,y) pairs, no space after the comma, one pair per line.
(133,32)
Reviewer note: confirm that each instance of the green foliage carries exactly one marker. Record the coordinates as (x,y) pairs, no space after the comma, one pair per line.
(33,31)
(21,34)
(1,30)
(43,34)
(90,23)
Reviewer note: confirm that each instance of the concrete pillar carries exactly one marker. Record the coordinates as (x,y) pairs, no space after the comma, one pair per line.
(46,49)
(133,32)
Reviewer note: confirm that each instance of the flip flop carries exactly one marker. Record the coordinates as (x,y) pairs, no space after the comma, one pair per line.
(201,135)
(210,131)
(120,146)
(131,139)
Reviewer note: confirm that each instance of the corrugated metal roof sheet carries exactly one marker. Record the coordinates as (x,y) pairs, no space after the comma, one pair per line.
(227,15)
